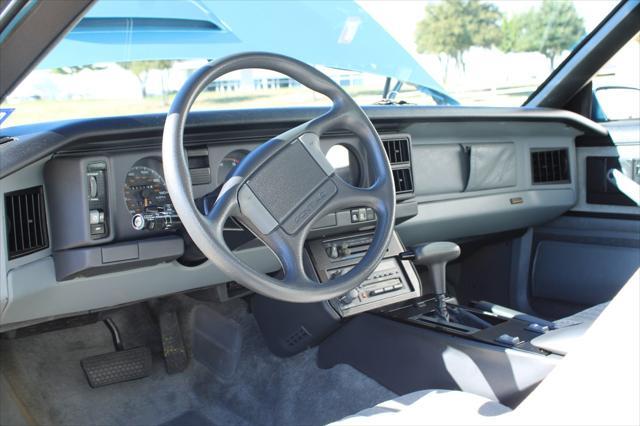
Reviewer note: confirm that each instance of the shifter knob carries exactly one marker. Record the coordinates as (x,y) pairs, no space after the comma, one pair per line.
(435,257)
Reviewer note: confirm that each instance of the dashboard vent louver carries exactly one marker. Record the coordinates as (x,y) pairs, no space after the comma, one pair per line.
(397,150)
(402,180)
(26,222)
(550,166)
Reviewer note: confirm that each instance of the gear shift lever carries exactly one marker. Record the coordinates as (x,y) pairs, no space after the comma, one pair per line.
(435,257)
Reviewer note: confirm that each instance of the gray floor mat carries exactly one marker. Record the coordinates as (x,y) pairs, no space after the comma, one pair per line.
(189,418)
(45,372)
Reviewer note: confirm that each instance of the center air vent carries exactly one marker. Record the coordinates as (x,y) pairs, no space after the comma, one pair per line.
(550,166)
(26,222)
(402,180)
(397,150)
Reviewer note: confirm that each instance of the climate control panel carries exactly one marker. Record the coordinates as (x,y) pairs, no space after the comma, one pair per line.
(392,281)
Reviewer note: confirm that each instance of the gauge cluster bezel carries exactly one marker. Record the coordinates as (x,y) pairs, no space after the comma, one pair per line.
(153,195)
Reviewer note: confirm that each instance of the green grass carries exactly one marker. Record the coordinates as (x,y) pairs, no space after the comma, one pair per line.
(35,111)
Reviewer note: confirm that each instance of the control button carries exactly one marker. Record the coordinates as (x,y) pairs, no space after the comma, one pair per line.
(370,215)
(349,297)
(101,217)
(362,214)
(94,217)
(537,328)
(138,222)
(97,229)
(332,251)
(93,187)
(397,286)
(376,292)
(354,216)
(335,274)
(389,288)
(507,339)
(345,250)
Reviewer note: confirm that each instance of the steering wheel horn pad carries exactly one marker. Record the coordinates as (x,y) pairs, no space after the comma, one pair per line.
(282,187)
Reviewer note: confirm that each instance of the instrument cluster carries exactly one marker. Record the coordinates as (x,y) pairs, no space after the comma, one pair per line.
(147,198)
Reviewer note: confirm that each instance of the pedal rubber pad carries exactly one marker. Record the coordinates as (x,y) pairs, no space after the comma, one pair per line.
(116,367)
(175,354)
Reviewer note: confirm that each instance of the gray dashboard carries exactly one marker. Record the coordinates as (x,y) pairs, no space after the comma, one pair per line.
(472,176)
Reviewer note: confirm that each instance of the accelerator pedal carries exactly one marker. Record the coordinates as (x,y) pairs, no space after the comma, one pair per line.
(120,366)
(175,354)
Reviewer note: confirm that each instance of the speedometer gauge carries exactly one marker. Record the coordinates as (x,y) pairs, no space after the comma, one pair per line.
(144,190)
(229,163)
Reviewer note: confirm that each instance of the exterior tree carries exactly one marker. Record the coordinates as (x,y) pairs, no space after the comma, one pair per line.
(74,69)
(451,27)
(141,70)
(550,29)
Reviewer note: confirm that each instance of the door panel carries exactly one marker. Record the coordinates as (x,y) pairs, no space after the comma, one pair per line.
(581,261)
(584,257)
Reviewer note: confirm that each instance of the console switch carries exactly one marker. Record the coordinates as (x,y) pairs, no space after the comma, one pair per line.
(537,328)
(508,340)
(97,198)
(362,214)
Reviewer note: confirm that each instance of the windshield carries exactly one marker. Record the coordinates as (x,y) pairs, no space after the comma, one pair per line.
(125,57)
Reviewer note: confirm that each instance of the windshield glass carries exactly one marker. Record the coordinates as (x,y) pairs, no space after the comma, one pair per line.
(125,57)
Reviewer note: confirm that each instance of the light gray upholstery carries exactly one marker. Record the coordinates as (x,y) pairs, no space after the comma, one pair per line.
(430,406)
(588,315)
(569,332)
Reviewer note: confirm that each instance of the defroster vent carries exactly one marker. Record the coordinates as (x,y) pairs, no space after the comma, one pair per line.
(26,222)
(550,166)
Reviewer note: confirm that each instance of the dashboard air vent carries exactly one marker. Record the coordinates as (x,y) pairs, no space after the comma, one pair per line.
(26,222)
(397,150)
(550,166)
(199,169)
(402,180)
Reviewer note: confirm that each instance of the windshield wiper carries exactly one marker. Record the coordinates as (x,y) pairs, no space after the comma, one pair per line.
(387,101)
(389,94)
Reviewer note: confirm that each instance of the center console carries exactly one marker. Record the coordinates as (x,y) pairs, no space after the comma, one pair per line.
(472,322)
(393,281)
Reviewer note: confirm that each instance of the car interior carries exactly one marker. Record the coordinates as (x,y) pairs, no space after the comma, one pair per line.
(383,264)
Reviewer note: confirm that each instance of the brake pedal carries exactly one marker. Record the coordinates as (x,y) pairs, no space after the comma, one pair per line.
(120,366)
(175,354)
(116,367)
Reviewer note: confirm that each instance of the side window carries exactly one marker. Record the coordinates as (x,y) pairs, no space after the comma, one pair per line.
(616,86)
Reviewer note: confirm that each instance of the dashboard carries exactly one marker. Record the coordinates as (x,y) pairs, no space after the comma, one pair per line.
(113,236)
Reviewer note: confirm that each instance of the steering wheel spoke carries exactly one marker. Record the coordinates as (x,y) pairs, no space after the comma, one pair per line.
(289,251)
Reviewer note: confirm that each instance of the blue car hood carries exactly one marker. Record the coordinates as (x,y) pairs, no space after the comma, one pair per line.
(336,34)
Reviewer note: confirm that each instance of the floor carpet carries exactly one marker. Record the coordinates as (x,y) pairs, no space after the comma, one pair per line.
(45,374)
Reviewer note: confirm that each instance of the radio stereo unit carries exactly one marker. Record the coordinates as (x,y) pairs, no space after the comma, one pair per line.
(394,280)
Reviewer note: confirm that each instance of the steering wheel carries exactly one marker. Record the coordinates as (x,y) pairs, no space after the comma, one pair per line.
(282,187)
